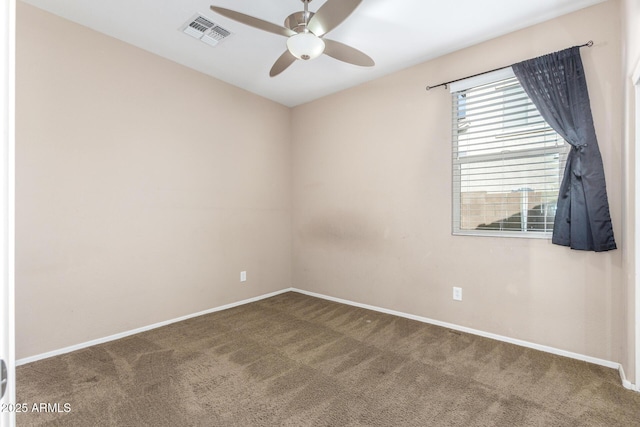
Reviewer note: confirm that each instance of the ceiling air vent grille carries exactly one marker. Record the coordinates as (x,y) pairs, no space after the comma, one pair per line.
(205,30)
(215,35)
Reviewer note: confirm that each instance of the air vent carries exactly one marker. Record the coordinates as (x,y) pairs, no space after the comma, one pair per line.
(205,30)
(215,35)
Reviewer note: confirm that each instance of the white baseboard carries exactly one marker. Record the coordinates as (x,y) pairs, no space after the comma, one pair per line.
(609,364)
(143,329)
(625,382)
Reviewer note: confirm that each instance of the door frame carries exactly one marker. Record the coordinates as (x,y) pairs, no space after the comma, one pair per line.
(7,202)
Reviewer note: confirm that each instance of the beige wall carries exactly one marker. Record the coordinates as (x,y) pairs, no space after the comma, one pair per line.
(143,188)
(631,47)
(631,59)
(372,202)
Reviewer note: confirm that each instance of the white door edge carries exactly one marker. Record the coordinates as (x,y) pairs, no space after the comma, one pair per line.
(7,204)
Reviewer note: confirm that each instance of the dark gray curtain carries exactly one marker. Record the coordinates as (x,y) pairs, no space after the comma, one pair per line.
(556,84)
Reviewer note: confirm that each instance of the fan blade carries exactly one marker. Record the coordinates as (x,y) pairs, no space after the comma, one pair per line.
(282,63)
(330,15)
(351,55)
(253,22)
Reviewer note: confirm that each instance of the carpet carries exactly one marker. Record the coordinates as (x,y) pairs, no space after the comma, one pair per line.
(296,360)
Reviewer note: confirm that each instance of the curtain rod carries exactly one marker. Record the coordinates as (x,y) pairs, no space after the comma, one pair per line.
(587,44)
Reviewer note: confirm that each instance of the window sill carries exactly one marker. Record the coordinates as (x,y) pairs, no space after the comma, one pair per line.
(511,234)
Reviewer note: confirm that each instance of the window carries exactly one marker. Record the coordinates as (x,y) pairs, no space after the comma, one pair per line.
(507,161)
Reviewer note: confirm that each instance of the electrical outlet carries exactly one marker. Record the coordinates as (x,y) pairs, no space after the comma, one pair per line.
(457,293)
(243,276)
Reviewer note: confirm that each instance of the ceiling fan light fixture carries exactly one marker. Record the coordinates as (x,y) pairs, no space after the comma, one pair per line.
(305,45)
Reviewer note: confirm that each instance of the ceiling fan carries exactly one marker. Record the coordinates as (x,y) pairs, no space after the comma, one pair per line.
(305,31)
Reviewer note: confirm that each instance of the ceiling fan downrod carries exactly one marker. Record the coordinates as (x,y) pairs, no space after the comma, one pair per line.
(306,15)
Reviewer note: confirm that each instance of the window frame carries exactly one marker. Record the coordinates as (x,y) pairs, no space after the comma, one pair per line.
(456,230)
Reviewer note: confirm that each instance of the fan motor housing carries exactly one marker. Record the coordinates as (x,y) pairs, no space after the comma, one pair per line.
(297,22)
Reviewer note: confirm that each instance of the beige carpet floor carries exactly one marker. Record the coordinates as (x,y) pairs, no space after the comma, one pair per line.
(295,360)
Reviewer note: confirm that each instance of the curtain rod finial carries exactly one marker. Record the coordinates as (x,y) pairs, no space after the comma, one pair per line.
(590,43)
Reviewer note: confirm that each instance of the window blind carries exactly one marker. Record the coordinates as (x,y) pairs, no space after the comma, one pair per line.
(507,162)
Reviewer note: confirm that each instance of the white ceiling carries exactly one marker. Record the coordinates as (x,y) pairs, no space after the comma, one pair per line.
(395,33)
